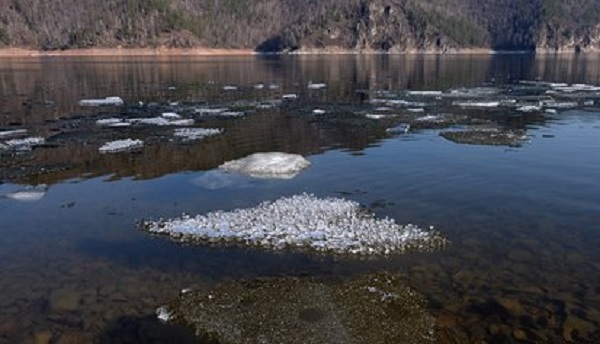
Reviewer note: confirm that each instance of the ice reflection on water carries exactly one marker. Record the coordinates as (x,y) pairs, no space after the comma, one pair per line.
(522,220)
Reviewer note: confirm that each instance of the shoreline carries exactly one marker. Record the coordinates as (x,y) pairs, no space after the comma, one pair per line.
(214,52)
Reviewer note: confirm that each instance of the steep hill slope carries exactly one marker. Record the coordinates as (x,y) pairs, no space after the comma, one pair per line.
(283,25)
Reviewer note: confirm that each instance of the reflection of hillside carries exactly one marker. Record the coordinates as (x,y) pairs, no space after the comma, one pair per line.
(256,133)
(41,95)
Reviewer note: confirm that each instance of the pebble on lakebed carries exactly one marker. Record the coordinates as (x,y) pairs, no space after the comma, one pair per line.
(375,309)
(301,222)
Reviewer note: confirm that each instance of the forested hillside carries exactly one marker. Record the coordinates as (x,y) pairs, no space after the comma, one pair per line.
(285,25)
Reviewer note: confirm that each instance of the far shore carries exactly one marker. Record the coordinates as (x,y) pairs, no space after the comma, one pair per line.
(115,52)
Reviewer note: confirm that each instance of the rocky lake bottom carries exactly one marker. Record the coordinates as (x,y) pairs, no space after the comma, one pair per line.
(496,155)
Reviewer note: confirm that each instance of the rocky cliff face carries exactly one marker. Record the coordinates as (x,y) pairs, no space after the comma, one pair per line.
(395,26)
(554,38)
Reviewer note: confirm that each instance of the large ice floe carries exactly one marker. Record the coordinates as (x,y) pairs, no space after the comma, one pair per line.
(271,165)
(108,101)
(121,146)
(333,225)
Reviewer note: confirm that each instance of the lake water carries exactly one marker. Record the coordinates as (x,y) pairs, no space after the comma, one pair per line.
(522,216)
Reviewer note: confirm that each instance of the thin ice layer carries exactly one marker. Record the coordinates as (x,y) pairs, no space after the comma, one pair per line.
(302,221)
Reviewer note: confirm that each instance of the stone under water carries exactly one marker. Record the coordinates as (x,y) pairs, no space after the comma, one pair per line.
(301,222)
(374,309)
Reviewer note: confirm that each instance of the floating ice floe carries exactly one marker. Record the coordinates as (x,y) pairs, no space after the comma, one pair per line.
(290,96)
(272,165)
(318,112)
(316,86)
(190,134)
(210,111)
(425,93)
(11,133)
(560,105)
(170,115)
(576,88)
(28,194)
(474,104)
(375,116)
(108,122)
(229,88)
(25,144)
(303,221)
(416,110)
(397,103)
(259,86)
(529,108)
(121,146)
(273,86)
(161,121)
(589,103)
(475,92)
(108,101)
(429,118)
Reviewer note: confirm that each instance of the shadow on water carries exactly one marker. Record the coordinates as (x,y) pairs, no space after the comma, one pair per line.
(146,330)
(208,262)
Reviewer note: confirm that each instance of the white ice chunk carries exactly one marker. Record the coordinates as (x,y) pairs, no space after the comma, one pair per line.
(474,104)
(28,194)
(425,93)
(529,108)
(107,122)
(210,111)
(273,165)
(318,111)
(190,134)
(121,146)
(161,121)
(163,314)
(375,116)
(11,133)
(170,115)
(302,221)
(316,86)
(108,101)
(416,110)
(229,88)
(290,96)
(25,144)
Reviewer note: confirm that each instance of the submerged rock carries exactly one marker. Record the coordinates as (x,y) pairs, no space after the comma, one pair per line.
(491,137)
(333,225)
(272,165)
(375,309)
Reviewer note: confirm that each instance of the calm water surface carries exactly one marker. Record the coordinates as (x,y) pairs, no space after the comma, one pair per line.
(523,263)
